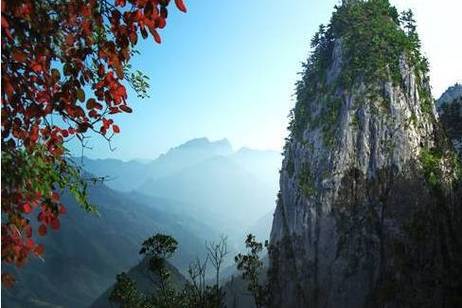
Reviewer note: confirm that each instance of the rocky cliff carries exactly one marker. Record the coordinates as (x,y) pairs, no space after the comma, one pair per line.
(449,107)
(369,210)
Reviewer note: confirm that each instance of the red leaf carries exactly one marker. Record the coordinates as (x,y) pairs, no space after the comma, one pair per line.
(133,37)
(9,89)
(55,224)
(113,110)
(28,231)
(144,33)
(70,40)
(156,36)
(125,108)
(42,230)
(163,12)
(62,209)
(93,114)
(7,278)
(30,244)
(39,250)
(37,68)
(26,208)
(19,56)
(180,5)
(6,28)
(91,103)
(161,23)
(101,70)
(54,196)
(116,129)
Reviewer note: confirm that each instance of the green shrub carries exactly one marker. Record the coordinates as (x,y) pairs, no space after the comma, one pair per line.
(306,181)
(374,38)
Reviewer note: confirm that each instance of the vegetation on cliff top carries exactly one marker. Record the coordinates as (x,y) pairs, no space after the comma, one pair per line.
(440,168)
(374,38)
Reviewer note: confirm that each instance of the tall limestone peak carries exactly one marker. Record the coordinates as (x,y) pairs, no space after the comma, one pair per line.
(449,107)
(369,210)
(451,95)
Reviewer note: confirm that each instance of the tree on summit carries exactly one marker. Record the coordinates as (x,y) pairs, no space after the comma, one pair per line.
(65,68)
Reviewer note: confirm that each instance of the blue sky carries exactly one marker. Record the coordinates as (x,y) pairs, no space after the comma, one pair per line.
(228,68)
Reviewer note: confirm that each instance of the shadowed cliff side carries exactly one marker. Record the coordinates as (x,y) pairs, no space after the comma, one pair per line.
(449,107)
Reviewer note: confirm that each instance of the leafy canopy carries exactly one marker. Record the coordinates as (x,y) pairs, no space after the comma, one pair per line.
(65,68)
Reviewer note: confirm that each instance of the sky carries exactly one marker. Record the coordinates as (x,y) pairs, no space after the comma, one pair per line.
(227,69)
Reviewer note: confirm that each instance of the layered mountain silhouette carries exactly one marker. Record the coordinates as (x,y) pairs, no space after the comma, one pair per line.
(194,192)
(128,176)
(227,190)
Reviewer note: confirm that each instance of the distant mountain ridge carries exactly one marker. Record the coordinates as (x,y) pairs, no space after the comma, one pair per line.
(229,189)
(129,175)
(222,146)
(188,154)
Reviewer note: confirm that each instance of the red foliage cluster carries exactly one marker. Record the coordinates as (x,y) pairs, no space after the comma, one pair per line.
(54,55)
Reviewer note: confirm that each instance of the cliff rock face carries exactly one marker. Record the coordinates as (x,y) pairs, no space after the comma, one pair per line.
(368,213)
(449,107)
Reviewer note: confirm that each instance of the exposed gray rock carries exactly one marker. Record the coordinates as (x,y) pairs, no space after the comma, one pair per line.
(358,223)
(450,111)
(452,94)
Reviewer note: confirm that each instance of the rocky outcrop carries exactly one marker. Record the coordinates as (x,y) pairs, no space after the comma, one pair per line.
(449,107)
(368,214)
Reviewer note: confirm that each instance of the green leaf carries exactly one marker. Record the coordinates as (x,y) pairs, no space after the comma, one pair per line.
(55,74)
(81,95)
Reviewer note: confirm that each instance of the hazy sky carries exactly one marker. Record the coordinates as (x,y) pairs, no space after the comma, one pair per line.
(227,69)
